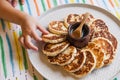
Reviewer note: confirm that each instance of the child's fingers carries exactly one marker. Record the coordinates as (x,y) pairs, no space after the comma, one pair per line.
(14,3)
(44,31)
(26,41)
(21,40)
(35,36)
(29,44)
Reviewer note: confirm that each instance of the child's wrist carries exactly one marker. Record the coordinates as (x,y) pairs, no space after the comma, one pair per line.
(23,18)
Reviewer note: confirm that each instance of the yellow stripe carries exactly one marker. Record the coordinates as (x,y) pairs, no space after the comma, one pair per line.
(20,61)
(117,14)
(71,1)
(116,3)
(9,25)
(16,78)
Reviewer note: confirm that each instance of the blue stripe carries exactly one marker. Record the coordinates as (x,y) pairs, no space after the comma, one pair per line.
(77,1)
(11,53)
(66,1)
(105,4)
(28,5)
(3,24)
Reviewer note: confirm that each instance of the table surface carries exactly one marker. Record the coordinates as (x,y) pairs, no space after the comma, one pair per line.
(14,62)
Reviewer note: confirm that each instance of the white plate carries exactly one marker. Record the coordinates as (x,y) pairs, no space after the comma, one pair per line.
(52,72)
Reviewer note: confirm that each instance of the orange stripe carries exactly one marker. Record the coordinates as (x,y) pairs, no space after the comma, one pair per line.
(91,1)
(48,2)
(111,3)
(37,9)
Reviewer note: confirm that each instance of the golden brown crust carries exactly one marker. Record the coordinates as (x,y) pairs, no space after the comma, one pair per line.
(71,19)
(77,62)
(64,57)
(106,35)
(99,25)
(88,66)
(99,54)
(55,49)
(53,38)
(57,27)
(107,48)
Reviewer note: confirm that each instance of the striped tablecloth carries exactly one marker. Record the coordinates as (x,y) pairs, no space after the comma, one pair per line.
(14,62)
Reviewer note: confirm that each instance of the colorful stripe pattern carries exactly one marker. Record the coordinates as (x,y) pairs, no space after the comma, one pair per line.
(14,63)
(3,57)
(11,55)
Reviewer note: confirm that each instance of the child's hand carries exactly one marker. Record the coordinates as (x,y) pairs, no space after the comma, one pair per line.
(14,2)
(29,26)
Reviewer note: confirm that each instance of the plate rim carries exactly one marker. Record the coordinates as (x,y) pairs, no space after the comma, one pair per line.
(82,5)
(109,14)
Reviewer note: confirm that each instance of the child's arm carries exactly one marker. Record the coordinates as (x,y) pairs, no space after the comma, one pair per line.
(27,22)
(7,12)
